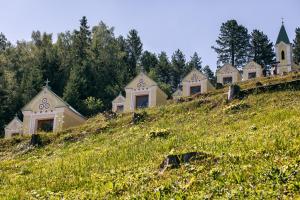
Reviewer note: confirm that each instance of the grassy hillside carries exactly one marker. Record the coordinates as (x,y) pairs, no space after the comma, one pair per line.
(253,148)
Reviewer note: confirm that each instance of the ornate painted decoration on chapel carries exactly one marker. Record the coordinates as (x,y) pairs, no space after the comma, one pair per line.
(44,104)
(141,83)
(194,77)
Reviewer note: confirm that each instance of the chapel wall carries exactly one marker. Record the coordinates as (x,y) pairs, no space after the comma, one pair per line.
(236,77)
(161,98)
(26,124)
(69,120)
(246,71)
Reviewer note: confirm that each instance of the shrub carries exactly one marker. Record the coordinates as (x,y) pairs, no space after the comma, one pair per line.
(39,140)
(219,86)
(257,84)
(93,105)
(139,117)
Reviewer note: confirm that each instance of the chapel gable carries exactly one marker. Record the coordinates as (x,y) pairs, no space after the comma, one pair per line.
(194,75)
(141,81)
(227,68)
(45,101)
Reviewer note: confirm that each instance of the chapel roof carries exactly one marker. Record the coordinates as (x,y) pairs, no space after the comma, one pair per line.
(193,71)
(139,76)
(120,98)
(62,103)
(252,63)
(15,119)
(227,66)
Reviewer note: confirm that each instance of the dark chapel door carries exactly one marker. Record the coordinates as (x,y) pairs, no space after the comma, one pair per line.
(45,125)
(195,89)
(227,80)
(142,101)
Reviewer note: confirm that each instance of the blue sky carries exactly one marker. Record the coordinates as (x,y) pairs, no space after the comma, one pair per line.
(164,25)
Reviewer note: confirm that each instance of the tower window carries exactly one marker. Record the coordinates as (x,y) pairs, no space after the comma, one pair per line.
(282,55)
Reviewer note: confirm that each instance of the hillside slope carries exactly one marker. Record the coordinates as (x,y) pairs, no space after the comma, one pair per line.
(253,148)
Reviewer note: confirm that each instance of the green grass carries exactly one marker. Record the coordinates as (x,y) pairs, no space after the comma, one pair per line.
(256,142)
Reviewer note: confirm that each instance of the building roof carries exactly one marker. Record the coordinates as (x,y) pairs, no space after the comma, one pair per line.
(141,75)
(252,64)
(146,80)
(227,67)
(282,36)
(61,102)
(177,93)
(200,75)
(15,119)
(119,99)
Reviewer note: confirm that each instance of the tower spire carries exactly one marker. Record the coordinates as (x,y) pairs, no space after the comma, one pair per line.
(282,36)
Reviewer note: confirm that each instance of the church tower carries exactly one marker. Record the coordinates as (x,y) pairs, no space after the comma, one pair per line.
(283,50)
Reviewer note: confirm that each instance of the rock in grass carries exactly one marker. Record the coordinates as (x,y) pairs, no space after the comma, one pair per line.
(253,128)
(233,92)
(160,133)
(174,161)
(171,161)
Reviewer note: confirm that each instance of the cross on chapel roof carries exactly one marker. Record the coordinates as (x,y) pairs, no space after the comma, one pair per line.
(47,82)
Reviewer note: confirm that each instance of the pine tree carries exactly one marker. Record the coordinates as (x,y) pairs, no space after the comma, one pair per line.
(77,88)
(134,50)
(209,74)
(296,49)
(32,82)
(262,50)
(107,64)
(28,73)
(3,104)
(163,69)
(82,41)
(121,41)
(179,69)
(63,50)
(148,60)
(3,42)
(232,44)
(195,62)
(161,73)
(47,59)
